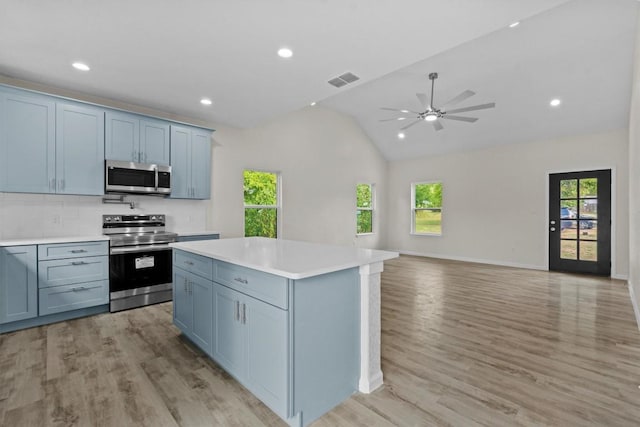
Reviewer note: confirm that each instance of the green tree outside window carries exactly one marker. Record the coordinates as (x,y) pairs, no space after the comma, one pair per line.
(427,208)
(260,204)
(364,205)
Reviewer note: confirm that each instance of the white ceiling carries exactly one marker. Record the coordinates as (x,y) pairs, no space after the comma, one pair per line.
(167,54)
(580,52)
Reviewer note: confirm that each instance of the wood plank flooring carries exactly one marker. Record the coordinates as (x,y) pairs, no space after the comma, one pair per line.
(462,345)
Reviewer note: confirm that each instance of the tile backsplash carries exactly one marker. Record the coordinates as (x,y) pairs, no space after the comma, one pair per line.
(44,215)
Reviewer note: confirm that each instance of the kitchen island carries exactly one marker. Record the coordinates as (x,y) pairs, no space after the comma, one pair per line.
(298,324)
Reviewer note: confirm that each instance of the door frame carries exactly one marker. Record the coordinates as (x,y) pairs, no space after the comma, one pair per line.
(614,214)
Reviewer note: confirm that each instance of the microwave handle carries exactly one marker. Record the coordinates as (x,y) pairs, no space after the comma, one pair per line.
(155,169)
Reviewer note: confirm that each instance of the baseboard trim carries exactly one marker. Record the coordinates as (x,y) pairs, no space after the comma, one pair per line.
(619,276)
(634,303)
(475,260)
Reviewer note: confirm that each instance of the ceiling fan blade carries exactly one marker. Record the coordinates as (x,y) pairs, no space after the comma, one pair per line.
(393,119)
(473,108)
(423,100)
(460,118)
(399,111)
(411,124)
(437,125)
(458,99)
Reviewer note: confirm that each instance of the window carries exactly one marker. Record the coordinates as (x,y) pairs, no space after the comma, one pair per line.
(364,205)
(426,207)
(261,205)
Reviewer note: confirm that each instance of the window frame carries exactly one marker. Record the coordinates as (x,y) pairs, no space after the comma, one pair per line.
(277,206)
(372,187)
(413,231)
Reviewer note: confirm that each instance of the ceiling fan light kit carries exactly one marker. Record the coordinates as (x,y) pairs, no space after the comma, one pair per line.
(432,114)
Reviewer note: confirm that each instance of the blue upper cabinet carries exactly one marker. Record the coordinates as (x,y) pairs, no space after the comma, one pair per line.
(201,164)
(79,149)
(134,138)
(190,163)
(154,142)
(122,136)
(27,138)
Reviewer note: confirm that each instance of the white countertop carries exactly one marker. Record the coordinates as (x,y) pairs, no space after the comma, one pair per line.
(197,233)
(288,258)
(49,240)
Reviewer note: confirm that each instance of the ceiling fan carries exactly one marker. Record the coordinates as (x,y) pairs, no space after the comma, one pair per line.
(432,114)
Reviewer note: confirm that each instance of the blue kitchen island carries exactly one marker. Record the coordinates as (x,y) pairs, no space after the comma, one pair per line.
(296,323)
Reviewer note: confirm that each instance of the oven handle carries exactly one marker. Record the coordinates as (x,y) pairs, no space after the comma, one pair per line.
(133,249)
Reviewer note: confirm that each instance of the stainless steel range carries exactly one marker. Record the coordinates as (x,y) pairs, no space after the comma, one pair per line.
(140,264)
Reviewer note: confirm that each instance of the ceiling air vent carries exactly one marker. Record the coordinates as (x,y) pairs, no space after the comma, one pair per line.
(343,80)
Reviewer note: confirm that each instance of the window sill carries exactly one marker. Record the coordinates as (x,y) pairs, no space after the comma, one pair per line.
(427,234)
(364,234)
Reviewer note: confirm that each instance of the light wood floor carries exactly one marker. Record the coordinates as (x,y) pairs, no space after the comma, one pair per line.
(462,344)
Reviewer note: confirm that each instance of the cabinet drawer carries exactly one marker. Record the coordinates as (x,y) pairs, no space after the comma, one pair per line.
(73,297)
(263,286)
(196,264)
(60,272)
(72,250)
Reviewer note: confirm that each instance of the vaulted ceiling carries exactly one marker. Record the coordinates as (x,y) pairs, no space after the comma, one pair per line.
(167,55)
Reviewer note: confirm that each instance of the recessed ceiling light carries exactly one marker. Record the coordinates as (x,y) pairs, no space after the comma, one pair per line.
(402,118)
(515,24)
(285,53)
(313,103)
(206,101)
(401,135)
(80,66)
(555,102)
(404,111)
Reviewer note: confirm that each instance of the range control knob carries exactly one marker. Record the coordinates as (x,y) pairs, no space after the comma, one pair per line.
(107,219)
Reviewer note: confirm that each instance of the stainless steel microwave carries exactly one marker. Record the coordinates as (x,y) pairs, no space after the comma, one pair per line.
(140,178)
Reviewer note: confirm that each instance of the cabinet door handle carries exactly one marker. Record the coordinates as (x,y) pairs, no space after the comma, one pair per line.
(236,310)
(61,184)
(78,263)
(190,288)
(145,157)
(241,280)
(81,288)
(188,262)
(244,314)
(78,251)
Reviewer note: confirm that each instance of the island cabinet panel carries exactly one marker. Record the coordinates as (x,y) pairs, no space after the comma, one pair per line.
(192,307)
(229,334)
(18,283)
(27,143)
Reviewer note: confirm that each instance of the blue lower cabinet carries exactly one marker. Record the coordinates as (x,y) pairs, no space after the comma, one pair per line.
(18,283)
(251,342)
(192,303)
(58,299)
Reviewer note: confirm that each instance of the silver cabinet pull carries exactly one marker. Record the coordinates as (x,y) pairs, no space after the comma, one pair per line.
(78,251)
(62,184)
(244,314)
(78,263)
(134,156)
(185,285)
(145,157)
(190,288)
(236,310)
(81,288)
(241,280)
(188,262)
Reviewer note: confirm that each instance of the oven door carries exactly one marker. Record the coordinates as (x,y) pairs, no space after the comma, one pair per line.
(139,270)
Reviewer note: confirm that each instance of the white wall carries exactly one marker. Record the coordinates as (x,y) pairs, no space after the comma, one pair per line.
(321,155)
(39,215)
(495,200)
(634,186)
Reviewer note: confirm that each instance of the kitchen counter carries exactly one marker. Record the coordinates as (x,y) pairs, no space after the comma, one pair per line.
(51,240)
(271,309)
(197,233)
(287,258)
